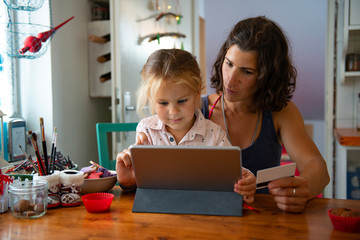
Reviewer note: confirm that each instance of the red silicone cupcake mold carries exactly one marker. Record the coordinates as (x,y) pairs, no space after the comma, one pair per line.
(97,202)
(345,223)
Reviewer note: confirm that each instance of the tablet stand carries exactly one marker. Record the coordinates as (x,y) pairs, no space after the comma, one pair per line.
(188,202)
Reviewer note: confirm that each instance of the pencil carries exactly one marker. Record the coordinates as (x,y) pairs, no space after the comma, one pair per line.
(44,146)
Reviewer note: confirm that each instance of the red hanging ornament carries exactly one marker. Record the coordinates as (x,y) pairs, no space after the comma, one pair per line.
(33,44)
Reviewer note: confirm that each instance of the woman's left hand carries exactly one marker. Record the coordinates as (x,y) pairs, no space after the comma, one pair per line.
(291,193)
(246,186)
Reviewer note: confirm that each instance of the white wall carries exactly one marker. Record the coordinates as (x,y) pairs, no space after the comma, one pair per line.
(75,113)
(304,22)
(55,86)
(35,82)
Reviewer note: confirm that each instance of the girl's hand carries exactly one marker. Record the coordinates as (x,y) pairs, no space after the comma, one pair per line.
(124,170)
(246,186)
(290,194)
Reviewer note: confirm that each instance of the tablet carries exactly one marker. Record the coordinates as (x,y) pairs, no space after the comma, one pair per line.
(186,168)
(187,180)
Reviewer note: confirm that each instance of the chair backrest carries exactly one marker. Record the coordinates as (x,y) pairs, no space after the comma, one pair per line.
(102,141)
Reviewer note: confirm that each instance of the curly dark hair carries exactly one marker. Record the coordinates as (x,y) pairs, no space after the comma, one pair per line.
(277,76)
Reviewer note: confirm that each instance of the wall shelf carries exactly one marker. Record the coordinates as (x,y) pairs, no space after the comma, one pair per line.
(347,148)
(347,136)
(354,27)
(347,145)
(97,87)
(348,21)
(353,74)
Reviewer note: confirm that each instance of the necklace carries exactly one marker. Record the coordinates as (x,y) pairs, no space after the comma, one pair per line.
(226,128)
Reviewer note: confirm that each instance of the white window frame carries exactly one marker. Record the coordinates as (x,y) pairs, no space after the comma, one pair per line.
(8,80)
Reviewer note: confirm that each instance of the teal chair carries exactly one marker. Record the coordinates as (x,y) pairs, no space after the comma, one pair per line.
(102,140)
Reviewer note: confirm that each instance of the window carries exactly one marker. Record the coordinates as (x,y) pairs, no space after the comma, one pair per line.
(7,94)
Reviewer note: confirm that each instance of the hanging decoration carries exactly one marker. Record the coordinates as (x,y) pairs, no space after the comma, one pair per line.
(157,36)
(24,5)
(161,15)
(15,37)
(33,44)
(171,12)
(177,16)
(26,39)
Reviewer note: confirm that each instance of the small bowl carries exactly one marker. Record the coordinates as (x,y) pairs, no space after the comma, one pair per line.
(344,223)
(97,202)
(98,184)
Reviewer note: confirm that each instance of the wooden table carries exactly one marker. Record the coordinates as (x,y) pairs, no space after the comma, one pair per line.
(121,223)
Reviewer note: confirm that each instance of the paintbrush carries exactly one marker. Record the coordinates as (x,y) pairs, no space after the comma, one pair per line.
(19,166)
(44,146)
(53,150)
(33,138)
(52,157)
(30,160)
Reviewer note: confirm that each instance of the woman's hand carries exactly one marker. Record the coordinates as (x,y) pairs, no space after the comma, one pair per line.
(290,194)
(246,186)
(124,170)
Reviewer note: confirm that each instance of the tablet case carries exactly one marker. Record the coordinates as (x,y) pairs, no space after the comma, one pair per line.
(187,180)
(188,202)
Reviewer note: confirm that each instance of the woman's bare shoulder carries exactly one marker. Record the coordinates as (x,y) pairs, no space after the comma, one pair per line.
(290,110)
(289,115)
(212,98)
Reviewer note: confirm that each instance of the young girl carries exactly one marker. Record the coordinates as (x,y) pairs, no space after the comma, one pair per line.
(171,85)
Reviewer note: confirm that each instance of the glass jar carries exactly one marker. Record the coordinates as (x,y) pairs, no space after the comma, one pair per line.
(28,199)
(99,13)
(353,62)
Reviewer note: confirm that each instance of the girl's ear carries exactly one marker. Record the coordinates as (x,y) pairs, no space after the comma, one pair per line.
(151,105)
(198,99)
(198,95)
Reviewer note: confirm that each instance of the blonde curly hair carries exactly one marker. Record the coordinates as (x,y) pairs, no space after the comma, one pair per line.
(171,66)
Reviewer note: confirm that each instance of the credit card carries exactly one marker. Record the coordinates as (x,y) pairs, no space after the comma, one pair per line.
(267,175)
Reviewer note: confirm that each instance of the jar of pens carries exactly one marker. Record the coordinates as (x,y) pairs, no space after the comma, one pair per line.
(48,167)
(26,170)
(43,164)
(64,185)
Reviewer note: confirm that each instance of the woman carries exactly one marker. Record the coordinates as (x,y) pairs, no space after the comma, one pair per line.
(254,81)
